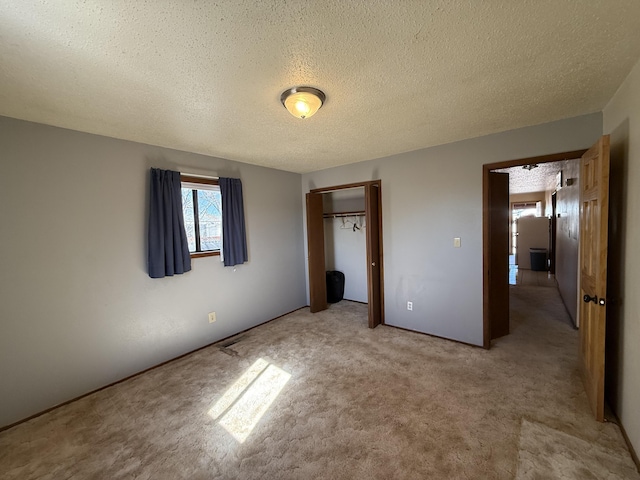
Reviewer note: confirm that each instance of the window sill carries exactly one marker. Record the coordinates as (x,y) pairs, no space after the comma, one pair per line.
(214,253)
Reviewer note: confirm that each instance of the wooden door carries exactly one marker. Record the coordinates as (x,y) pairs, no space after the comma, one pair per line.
(498,254)
(315,245)
(594,217)
(374,253)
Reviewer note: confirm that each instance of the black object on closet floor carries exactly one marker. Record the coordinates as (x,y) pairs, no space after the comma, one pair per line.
(335,286)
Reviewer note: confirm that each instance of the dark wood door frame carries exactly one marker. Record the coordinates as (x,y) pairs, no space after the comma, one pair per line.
(374,257)
(315,246)
(377,184)
(499,207)
(554,228)
(486,234)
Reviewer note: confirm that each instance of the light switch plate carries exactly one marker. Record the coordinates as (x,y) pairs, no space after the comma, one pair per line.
(456,242)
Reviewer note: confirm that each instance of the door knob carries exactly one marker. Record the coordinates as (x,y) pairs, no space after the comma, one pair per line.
(373,264)
(588,299)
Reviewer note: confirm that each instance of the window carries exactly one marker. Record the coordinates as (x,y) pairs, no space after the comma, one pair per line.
(533,209)
(202,209)
(519,210)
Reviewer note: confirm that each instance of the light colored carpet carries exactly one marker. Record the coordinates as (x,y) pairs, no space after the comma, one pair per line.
(548,453)
(335,400)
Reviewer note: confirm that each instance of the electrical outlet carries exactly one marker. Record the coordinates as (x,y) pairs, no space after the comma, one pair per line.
(410,306)
(212,317)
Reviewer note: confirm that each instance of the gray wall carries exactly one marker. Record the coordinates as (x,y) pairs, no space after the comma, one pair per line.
(77,309)
(622,122)
(567,234)
(429,197)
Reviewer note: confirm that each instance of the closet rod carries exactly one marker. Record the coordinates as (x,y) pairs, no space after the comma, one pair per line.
(344,214)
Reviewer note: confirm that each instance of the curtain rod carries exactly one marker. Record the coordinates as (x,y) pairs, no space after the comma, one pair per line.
(189,174)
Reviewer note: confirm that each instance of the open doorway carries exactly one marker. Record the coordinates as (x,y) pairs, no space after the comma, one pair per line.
(519,210)
(531,181)
(371,212)
(590,228)
(544,201)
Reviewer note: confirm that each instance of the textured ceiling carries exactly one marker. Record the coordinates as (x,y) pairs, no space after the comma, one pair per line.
(539,179)
(206,77)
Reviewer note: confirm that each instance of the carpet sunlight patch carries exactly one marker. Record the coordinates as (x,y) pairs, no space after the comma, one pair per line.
(248,399)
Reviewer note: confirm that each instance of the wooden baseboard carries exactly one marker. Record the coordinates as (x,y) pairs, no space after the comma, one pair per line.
(7,427)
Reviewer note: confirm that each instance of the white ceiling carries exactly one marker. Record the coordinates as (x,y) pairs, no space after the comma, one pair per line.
(206,76)
(539,179)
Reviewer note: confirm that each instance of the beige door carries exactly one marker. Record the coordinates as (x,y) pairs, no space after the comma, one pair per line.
(594,216)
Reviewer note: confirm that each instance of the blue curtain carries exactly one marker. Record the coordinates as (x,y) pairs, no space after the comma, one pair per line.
(168,248)
(234,236)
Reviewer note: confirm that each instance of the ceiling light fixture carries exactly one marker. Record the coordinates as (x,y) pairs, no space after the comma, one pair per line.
(530,167)
(302,102)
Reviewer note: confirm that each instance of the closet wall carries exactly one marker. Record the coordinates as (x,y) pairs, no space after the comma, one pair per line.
(345,246)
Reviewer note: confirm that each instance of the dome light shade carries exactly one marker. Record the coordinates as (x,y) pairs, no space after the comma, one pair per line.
(302,102)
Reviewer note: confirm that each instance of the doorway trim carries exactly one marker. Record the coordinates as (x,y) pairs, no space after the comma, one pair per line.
(378,263)
(554,228)
(486,234)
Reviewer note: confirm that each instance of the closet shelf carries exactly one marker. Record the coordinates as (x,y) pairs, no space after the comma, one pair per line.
(356,213)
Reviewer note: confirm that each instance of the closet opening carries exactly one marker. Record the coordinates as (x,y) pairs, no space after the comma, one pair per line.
(344,232)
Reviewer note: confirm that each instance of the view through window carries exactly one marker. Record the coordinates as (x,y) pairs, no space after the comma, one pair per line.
(518,210)
(202,209)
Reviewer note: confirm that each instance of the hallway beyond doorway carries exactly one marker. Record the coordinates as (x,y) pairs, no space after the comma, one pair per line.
(524,277)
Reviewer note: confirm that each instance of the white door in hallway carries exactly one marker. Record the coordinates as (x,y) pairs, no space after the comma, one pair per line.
(594,217)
